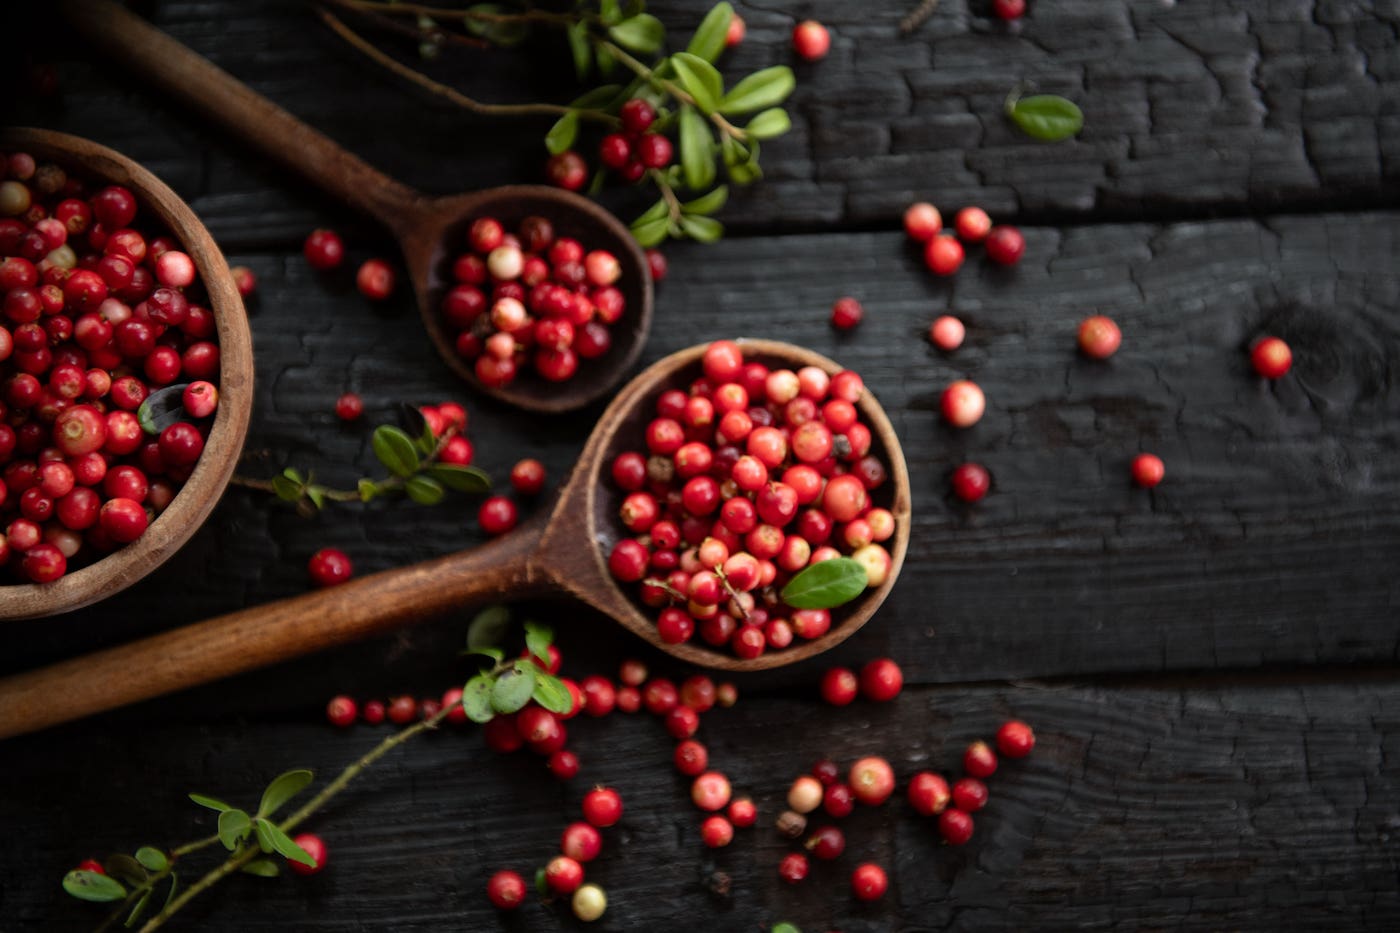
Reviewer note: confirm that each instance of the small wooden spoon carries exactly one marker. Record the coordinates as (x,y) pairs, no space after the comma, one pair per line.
(430,231)
(560,552)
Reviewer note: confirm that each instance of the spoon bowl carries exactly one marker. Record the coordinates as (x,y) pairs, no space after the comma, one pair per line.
(560,552)
(431,231)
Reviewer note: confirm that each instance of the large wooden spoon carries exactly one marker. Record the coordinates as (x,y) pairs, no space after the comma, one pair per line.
(430,231)
(560,553)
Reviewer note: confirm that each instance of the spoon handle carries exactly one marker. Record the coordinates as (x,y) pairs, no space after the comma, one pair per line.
(262,635)
(223,99)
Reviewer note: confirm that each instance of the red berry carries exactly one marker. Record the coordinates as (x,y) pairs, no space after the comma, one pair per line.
(839,686)
(614,151)
(955,826)
(654,150)
(735,33)
(872,780)
(181,444)
(881,680)
(403,710)
(838,801)
(691,758)
(375,280)
(1015,739)
(342,711)
(660,696)
(506,890)
(1271,357)
(581,842)
(563,875)
(1099,337)
(972,224)
(497,515)
(922,221)
(962,403)
(969,795)
(793,868)
(200,398)
(810,40)
(312,846)
(349,407)
(1009,9)
(846,313)
(947,333)
(637,116)
(971,481)
(710,791)
(567,170)
(44,563)
(943,255)
(742,812)
(1005,245)
(826,843)
(244,280)
(868,882)
(92,865)
(527,477)
(329,567)
(564,765)
(1148,470)
(599,697)
(657,265)
(602,807)
(928,793)
(979,760)
(324,249)
(632,673)
(123,520)
(716,832)
(682,722)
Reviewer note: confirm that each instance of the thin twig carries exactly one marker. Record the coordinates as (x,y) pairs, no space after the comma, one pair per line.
(917,17)
(415,33)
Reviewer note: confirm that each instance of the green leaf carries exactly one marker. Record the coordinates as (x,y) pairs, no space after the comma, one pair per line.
(139,909)
(162,408)
(461,478)
(537,639)
(551,693)
(93,886)
(655,212)
(700,79)
(283,788)
(367,488)
(709,203)
(394,448)
(609,11)
(702,229)
(651,233)
(766,88)
(476,699)
(424,490)
(607,63)
(317,495)
(213,803)
(488,627)
(514,687)
(233,827)
(503,34)
(125,868)
(262,867)
(282,844)
(152,858)
(769,123)
(1046,117)
(785,928)
(287,490)
(708,41)
(641,33)
(562,134)
(697,149)
(542,882)
(293,474)
(582,51)
(495,654)
(826,585)
(264,837)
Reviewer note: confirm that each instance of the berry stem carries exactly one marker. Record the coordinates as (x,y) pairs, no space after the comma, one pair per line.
(917,16)
(670,87)
(241,858)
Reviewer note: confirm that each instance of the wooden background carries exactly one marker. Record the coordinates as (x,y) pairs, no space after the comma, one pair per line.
(1210,667)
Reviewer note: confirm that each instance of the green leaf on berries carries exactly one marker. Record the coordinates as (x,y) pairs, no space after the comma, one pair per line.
(461,478)
(279,842)
(283,788)
(93,886)
(1046,117)
(697,149)
(213,803)
(709,39)
(504,34)
(262,867)
(476,699)
(700,79)
(162,408)
(233,828)
(707,204)
(424,490)
(513,687)
(562,134)
(702,229)
(826,585)
(395,450)
(642,33)
(125,868)
(538,639)
(152,858)
(579,47)
(551,693)
(488,627)
(760,90)
(139,909)
(769,123)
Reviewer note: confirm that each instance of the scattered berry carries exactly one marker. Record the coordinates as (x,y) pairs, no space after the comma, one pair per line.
(962,403)
(716,832)
(793,868)
(527,477)
(735,34)
(1099,337)
(881,680)
(312,846)
(922,221)
(506,890)
(955,826)
(947,333)
(581,842)
(1271,357)
(971,481)
(1009,9)
(1148,470)
(979,760)
(329,567)
(868,882)
(1015,739)
(497,515)
(805,794)
(710,791)
(929,793)
(969,795)
(602,807)
(943,255)
(563,875)
(589,903)
(324,249)
(810,40)
(872,780)
(349,407)
(839,686)
(742,812)
(972,224)
(1005,245)
(846,314)
(341,711)
(826,843)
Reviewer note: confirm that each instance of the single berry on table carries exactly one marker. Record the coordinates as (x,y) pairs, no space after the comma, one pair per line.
(793,868)
(742,812)
(868,882)
(838,800)
(497,515)
(375,279)
(1272,358)
(979,760)
(881,680)
(962,403)
(947,333)
(602,807)
(563,875)
(846,313)
(972,224)
(1148,470)
(1005,245)
(929,793)
(1015,739)
(871,780)
(1099,337)
(506,890)
(589,903)
(716,832)
(564,765)
(943,255)
(1009,9)
(341,711)
(329,567)
(826,843)
(527,477)
(971,481)
(955,826)
(922,221)
(839,686)
(581,842)
(805,794)
(811,40)
(324,249)
(969,795)
(349,407)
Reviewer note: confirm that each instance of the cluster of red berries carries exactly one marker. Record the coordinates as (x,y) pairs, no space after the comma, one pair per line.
(581,842)
(325,250)
(531,299)
(97,315)
(869,781)
(748,477)
(635,150)
(880,680)
(930,794)
(943,252)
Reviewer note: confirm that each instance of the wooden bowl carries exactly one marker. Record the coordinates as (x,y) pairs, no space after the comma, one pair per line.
(196,499)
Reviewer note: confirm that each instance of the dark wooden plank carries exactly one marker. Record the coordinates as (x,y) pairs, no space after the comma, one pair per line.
(1191,108)
(1196,807)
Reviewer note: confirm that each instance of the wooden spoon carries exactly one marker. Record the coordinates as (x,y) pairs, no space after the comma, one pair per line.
(430,231)
(560,552)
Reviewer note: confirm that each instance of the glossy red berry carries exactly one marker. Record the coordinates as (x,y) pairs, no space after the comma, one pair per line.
(826,843)
(810,40)
(710,791)
(200,398)
(735,33)
(1148,470)
(742,812)
(1271,357)
(846,313)
(92,865)
(506,890)
(979,760)
(872,780)
(1005,245)
(970,481)
(637,116)
(567,170)
(329,567)
(969,795)
(955,826)
(313,846)
(349,407)
(716,832)
(323,249)
(947,333)
(1015,739)
(657,265)
(342,711)
(972,224)
(838,801)
(839,686)
(1009,9)
(881,680)
(563,764)
(375,279)
(868,882)
(602,807)
(527,477)
(962,403)
(929,793)
(943,255)
(1099,337)
(691,758)
(563,875)
(922,221)
(581,842)
(793,868)
(497,515)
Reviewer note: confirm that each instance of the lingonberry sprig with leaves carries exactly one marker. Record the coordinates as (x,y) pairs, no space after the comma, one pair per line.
(423,465)
(681,94)
(254,838)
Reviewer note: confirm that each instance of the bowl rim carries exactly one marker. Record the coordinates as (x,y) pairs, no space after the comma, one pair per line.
(196,499)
